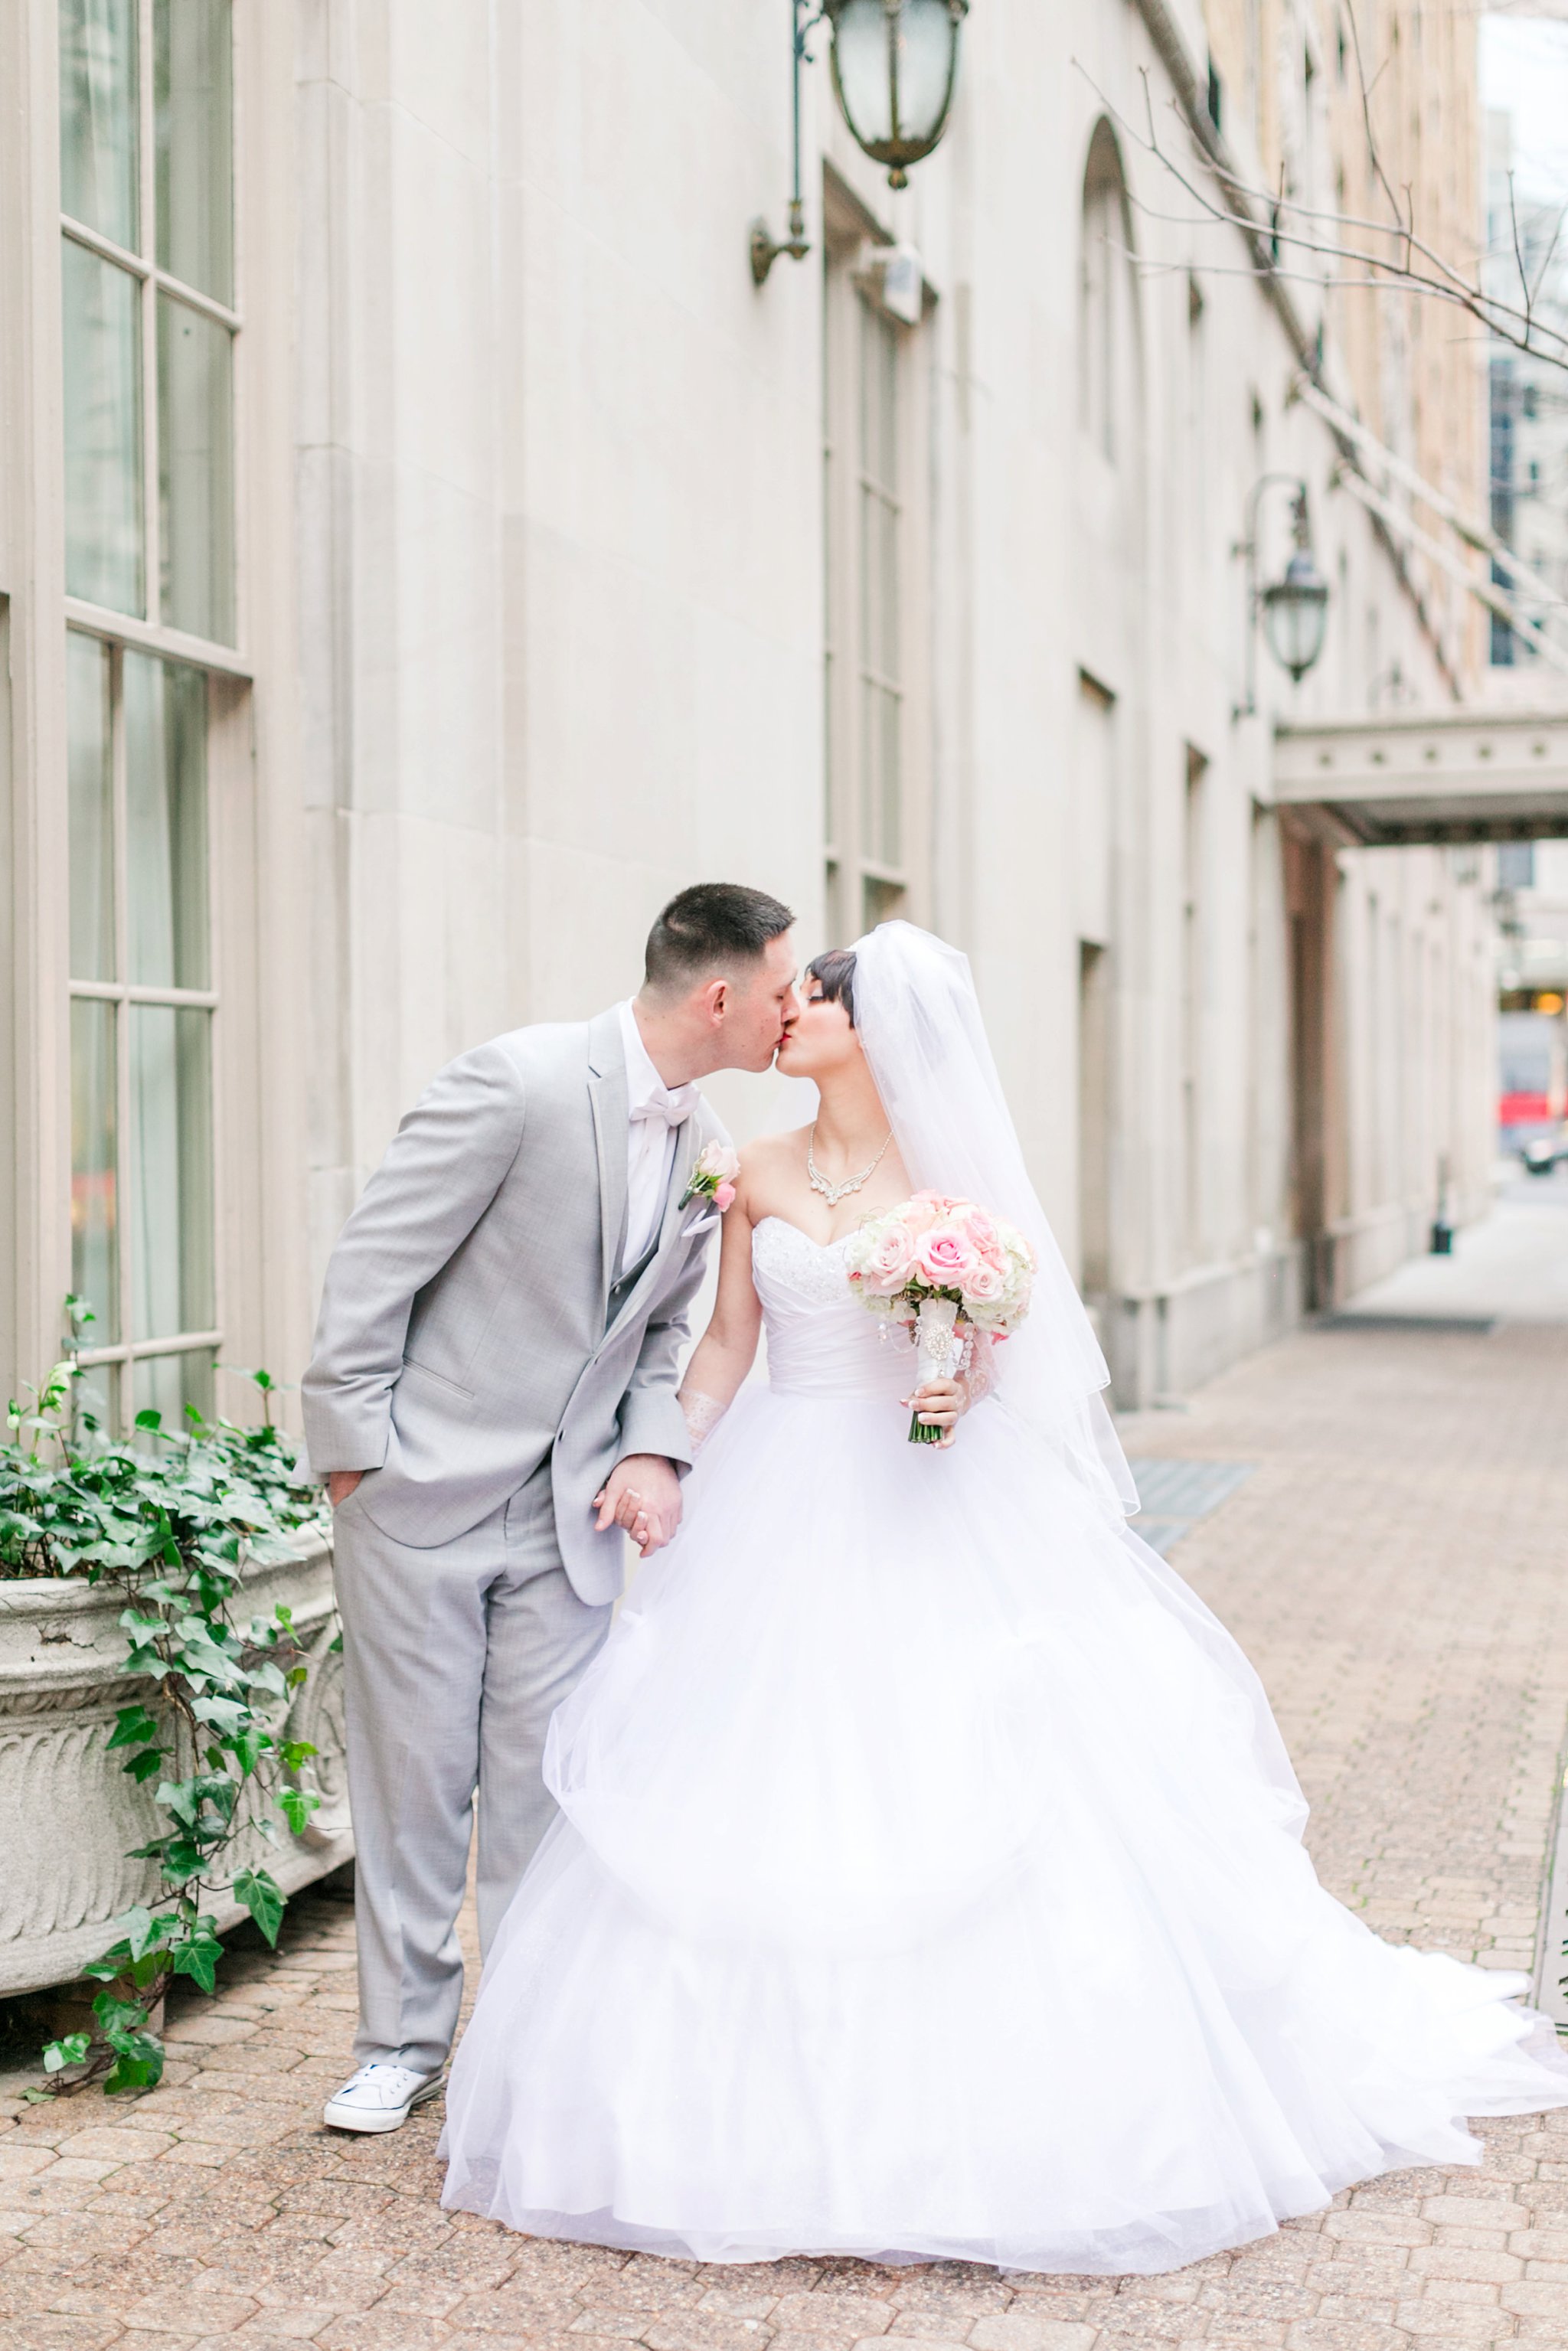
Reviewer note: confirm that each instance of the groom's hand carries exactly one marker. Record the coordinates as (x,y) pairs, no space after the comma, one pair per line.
(642,1494)
(340,1484)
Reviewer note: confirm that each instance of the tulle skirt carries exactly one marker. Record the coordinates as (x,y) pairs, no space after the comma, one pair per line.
(928,1883)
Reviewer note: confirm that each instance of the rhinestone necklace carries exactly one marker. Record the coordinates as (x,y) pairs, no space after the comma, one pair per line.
(835,1193)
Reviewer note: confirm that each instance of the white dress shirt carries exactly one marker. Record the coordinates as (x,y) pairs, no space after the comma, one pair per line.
(655,1111)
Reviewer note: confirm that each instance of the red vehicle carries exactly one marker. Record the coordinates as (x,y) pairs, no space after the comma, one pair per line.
(1532,1054)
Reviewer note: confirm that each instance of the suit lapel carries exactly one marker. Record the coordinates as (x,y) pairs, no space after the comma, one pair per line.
(688,1142)
(608,1100)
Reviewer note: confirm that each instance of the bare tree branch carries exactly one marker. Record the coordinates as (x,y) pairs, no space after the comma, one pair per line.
(1415,267)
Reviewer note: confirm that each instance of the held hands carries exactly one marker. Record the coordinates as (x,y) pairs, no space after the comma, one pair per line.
(642,1494)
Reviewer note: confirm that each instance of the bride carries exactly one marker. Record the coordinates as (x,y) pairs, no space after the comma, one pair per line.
(928,1882)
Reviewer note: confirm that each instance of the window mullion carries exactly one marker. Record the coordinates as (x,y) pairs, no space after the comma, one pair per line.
(153,637)
(151,515)
(218,1302)
(81,232)
(196,300)
(121,1411)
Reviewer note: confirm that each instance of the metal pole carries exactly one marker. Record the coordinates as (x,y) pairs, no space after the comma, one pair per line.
(763,251)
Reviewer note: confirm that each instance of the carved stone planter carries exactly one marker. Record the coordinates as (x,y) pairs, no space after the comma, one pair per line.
(69,1812)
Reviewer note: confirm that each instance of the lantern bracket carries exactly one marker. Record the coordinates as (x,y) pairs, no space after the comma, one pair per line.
(1247,547)
(765,250)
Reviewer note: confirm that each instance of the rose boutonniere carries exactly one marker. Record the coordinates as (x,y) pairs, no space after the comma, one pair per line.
(713,1177)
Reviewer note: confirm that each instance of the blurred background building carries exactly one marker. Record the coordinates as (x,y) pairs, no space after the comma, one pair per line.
(1524,72)
(425,546)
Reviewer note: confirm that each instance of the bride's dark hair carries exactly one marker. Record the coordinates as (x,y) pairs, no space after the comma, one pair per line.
(834,974)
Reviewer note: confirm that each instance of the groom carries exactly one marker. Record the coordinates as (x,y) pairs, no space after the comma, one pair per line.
(491,1401)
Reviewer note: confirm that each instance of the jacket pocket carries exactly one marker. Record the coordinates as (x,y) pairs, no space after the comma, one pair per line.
(412,1364)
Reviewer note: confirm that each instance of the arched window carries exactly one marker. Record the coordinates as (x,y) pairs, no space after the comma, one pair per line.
(1104,296)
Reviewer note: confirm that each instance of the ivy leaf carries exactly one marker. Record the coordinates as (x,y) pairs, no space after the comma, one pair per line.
(198,1959)
(264,1898)
(150,1967)
(143,1628)
(138,2065)
(72,2051)
(119,2016)
(225,1715)
(183,1860)
(143,1928)
(142,1767)
(111,1966)
(295,1751)
(296,1804)
(133,1726)
(248,1747)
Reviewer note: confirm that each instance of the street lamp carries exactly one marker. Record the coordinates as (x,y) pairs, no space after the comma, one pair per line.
(894,67)
(896,63)
(1294,608)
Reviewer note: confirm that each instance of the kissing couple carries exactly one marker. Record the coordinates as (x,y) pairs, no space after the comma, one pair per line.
(914,1869)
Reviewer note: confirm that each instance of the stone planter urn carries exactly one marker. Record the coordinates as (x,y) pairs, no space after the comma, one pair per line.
(71,1814)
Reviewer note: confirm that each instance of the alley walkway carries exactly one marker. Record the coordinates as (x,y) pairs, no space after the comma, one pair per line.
(1395,1565)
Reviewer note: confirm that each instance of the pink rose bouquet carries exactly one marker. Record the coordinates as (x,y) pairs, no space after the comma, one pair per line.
(929,1262)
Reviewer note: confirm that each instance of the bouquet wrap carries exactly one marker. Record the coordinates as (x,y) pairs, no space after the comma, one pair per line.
(939,1351)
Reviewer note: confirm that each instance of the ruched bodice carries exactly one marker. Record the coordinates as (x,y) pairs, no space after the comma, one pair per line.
(820,1341)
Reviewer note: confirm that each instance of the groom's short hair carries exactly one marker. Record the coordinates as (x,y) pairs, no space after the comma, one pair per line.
(710,924)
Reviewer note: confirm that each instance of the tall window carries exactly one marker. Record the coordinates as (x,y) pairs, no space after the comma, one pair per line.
(141,1011)
(147,270)
(1105,301)
(148,289)
(1193,925)
(872,550)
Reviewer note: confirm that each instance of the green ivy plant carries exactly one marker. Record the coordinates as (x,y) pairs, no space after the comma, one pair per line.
(172,1521)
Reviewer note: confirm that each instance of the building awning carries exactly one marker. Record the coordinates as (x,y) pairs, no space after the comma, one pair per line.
(1403,779)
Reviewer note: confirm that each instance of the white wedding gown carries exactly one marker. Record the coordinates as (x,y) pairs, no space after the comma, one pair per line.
(929,1881)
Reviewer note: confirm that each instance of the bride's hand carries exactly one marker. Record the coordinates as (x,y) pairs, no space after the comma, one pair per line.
(941,1404)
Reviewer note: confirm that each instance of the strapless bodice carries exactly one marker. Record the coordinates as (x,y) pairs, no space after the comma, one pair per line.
(821,1341)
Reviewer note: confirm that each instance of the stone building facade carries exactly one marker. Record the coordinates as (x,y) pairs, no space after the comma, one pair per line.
(423,548)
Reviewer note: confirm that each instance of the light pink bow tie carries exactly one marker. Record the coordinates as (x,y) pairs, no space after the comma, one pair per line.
(672,1105)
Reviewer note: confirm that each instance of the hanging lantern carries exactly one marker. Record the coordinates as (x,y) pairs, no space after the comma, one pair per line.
(896,63)
(1295,609)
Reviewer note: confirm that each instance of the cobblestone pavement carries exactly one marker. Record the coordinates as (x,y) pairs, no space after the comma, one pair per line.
(1395,1566)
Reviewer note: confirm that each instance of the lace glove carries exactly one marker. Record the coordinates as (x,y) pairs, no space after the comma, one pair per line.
(976,1373)
(702,1414)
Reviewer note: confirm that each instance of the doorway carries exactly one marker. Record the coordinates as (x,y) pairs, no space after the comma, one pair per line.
(1093,1122)
(1309,902)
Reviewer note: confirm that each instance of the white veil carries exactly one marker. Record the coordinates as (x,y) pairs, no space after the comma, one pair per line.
(919,1020)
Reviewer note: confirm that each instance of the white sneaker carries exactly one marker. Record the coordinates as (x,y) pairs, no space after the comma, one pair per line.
(380,2098)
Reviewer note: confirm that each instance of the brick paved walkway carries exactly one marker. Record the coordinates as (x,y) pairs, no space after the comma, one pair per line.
(1396,1568)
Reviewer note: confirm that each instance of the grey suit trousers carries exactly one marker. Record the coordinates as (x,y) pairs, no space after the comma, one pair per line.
(455,1658)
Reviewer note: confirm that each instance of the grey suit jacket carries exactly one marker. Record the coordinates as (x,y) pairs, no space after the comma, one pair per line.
(468,1324)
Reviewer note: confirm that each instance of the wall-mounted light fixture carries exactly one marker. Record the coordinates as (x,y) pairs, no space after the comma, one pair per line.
(1294,608)
(894,67)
